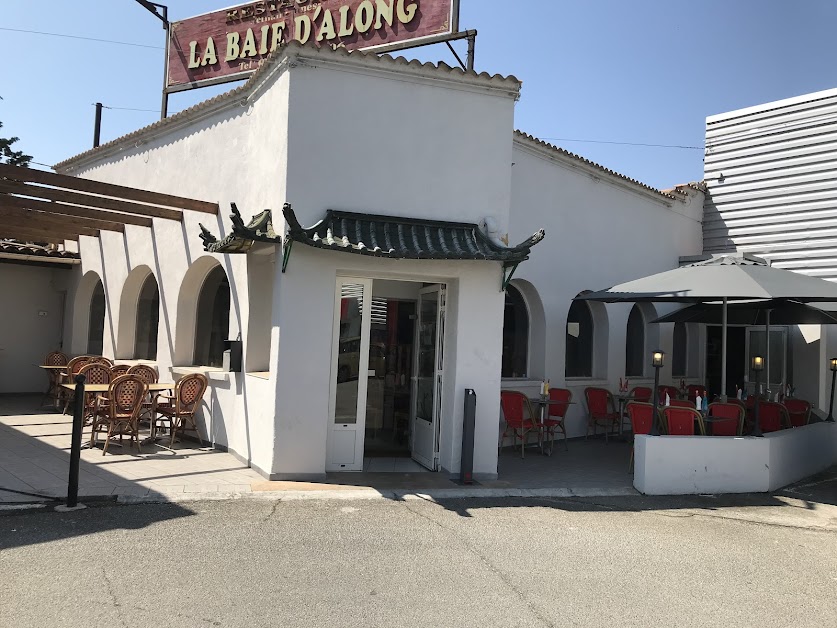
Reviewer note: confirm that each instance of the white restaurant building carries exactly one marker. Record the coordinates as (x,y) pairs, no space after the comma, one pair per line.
(362,333)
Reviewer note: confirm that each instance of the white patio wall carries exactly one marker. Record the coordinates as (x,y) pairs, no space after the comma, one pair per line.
(683,465)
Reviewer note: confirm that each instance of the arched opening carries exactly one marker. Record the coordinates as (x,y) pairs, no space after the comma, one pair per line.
(82,310)
(203,305)
(213,319)
(148,319)
(139,316)
(680,351)
(578,357)
(515,363)
(635,344)
(536,341)
(96,323)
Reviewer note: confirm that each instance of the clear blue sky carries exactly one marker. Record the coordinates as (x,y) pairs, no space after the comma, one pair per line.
(643,71)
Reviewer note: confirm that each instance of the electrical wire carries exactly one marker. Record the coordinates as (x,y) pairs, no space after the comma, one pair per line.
(567,139)
(104,41)
(130,109)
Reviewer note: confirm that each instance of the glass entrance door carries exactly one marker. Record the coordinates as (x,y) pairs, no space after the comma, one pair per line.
(349,374)
(427,376)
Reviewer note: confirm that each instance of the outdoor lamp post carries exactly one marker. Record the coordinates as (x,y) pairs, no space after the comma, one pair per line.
(832,363)
(657,359)
(758,367)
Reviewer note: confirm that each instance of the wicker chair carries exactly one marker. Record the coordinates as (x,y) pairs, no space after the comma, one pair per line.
(94,373)
(119,369)
(73,368)
(54,358)
(99,359)
(601,410)
(179,409)
(149,376)
(118,412)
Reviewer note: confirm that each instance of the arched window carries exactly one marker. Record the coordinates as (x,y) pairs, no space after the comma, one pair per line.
(578,359)
(515,335)
(96,325)
(148,317)
(635,344)
(213,319)
(679,359)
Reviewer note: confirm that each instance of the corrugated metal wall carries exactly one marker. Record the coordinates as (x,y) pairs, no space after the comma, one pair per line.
(771,173)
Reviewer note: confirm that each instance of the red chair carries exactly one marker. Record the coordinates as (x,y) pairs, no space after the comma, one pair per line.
(600,410)
(673,393)
(641,394)
(555,418)
(681,421)
(773,416)
(641,417)
(517,412)
(732,411)
(799,411)
(682,403)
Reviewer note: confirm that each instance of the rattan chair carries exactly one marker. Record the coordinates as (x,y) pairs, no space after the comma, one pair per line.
(94,373)
(179,409)
(73,368)
(147,373)
(100,359)
(53,392)
(118,412)
(119,369)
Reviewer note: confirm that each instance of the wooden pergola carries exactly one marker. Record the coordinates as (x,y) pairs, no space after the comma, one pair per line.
(39,206)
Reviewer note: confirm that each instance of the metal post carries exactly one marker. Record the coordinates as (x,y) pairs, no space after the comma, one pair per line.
(97,125)
(75,449)
(466,468)
(767,353)
(830,418)
(164,104)
(655,395)
(472,44)
(757,427)
(724,350)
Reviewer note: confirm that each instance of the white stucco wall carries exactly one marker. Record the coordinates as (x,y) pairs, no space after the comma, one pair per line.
(31,312)
(682,465)
(600,230)
(236,155)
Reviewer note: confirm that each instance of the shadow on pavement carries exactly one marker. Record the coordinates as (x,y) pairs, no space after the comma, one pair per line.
(19,528)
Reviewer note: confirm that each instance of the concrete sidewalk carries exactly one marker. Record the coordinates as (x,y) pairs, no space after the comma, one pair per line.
(34,464)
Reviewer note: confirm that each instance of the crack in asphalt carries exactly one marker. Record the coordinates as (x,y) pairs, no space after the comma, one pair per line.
(272,510)
(112,595)
(488,564)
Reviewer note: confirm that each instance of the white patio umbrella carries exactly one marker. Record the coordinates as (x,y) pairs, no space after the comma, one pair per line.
(720,279)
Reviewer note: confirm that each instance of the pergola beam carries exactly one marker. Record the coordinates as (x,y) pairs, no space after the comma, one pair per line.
(18,226)
(29,175)
(12,187)
(53,221)
(114,205)
(19,233)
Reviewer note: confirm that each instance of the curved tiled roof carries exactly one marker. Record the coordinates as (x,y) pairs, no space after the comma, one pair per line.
(592,164)
(15,247)
(372,59)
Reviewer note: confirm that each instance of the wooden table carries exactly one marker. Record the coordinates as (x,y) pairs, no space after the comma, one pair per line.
(97,388)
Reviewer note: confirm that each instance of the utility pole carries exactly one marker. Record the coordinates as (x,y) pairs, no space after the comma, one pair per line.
(97,125)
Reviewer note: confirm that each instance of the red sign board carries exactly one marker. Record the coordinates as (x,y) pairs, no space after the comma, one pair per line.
(230,44)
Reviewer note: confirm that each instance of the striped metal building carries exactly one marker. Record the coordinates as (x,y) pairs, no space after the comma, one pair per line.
(771,174)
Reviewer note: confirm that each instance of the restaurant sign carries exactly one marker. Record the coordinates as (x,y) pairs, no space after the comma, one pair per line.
(231,44)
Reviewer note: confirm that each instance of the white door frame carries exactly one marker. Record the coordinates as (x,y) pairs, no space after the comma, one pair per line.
(338,457)
(424,433)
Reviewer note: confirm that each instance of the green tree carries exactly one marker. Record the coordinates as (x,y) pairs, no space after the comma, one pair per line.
(9,156)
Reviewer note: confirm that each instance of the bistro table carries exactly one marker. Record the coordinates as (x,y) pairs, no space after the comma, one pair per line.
(542,403)
(56,374)
(623,398)
(103,388)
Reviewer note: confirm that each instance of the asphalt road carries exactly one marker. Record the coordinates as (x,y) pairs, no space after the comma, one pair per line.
(748,561)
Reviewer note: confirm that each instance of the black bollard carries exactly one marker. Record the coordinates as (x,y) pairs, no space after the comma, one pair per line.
(466,470)
(75,449)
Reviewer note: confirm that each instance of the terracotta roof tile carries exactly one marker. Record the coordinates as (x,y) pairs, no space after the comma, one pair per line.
(16,247)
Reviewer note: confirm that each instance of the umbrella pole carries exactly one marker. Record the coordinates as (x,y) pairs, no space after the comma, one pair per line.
(724,350)
(767,355)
